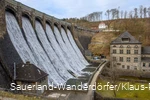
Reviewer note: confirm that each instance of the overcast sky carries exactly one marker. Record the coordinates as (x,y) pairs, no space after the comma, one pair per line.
(80,8)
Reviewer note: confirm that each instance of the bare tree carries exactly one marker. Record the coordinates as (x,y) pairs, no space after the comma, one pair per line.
(148,12)
(121,14)
(101,15)
(135,13)
(113,74)
(107,13)
(141,11)
(125,14)
(114,13)
(130,14)
(95,16)
(117,12)
(145,11)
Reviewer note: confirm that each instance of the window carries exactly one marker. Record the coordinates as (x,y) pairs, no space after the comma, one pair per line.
(128,67)
(128,51)
(144,64)
(121,51)
(118,63)
(135,68)
(114,46)
(121,59)
(114,59)
(149,64)
(128,59)
(123,66)
(135,51)
(114,51)
(125,39)
(135,59)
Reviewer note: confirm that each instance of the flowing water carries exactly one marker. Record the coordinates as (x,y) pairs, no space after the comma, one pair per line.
(78,52)
(62,71)
(39,53)
(56,53)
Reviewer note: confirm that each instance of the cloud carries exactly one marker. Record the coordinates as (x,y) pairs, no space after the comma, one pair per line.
(79,8)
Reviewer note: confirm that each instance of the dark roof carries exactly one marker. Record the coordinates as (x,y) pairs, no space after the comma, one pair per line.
(145,59)
(29,72)
(146,50)
(126,34)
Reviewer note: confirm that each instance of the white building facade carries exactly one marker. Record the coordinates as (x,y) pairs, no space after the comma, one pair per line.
(102,26)
(127,53)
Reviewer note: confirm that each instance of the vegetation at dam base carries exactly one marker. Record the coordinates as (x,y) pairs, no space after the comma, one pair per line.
(11,96)
(116,84)
(126,94)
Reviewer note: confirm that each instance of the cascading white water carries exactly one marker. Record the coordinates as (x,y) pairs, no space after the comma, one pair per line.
(40,54)
(71,50)
(65,49)
(18,40)
(78,52)
(61,70)
(62,55)
(54,54)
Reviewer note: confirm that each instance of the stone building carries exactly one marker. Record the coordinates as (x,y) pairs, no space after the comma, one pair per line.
(126,52)
(28,74)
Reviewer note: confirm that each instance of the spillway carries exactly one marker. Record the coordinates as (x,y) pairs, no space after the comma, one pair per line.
(17,39)
(54,52)
(71,50)
(61,54)
(61,70)
(78,52)
(39,53)
(64,48)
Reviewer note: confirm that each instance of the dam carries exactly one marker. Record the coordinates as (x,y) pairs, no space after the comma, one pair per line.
(45,41)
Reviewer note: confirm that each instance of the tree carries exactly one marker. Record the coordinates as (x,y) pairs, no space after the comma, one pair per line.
(117,13)
(125,14)
(107,14)
(135,13)
(113,74)
(101,15)
(121,14)
(148,12)
(95,16)
(130,14)
(114,13)
(141,11)
(145,11)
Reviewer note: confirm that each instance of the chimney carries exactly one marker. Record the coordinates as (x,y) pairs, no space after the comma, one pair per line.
(28,62)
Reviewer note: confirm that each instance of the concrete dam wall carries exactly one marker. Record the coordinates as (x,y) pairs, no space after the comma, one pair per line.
(45,41)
